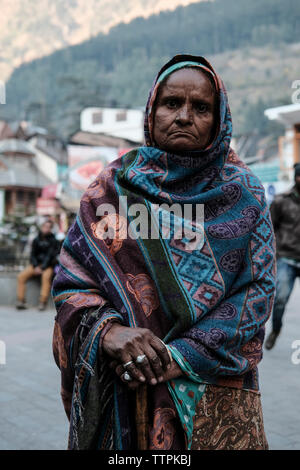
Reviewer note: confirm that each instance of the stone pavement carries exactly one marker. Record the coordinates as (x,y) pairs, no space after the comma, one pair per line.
(280,381)
(31,413)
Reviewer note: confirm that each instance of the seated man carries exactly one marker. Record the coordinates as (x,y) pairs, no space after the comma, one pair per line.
(42,259)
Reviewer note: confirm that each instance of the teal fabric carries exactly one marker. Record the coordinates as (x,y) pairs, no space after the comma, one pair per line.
(186,392)
(181,65)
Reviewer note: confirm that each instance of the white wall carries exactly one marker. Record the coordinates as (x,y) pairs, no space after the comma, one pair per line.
(46,165)
(132,128)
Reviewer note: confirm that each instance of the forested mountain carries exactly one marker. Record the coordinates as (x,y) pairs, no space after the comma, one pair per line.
(30,29)
(255,46)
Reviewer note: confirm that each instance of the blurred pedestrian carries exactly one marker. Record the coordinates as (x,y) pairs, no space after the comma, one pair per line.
(42,260)
(285,213)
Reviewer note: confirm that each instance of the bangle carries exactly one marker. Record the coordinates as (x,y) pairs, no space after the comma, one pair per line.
(167,348)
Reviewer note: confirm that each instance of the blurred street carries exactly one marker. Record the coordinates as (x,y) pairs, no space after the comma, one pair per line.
(31,413)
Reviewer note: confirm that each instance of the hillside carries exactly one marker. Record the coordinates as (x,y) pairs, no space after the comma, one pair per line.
(253,45)
(30,29)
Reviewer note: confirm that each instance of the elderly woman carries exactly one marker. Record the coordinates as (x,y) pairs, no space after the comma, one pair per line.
(158,344)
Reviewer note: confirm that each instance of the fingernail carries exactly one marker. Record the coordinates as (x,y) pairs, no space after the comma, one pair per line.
(160,379)
(142,379)
(153,381)
(169,365)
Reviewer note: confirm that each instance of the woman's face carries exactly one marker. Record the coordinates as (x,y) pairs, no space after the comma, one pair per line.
(184,114)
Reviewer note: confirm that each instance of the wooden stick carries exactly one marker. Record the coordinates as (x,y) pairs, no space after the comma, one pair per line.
(141,417)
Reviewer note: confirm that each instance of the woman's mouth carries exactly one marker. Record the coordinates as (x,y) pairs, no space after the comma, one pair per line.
(181,134)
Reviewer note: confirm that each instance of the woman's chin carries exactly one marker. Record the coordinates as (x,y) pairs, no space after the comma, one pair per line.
(182,144)
(181,148)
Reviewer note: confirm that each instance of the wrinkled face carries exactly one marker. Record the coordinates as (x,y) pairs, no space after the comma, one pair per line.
(184,114)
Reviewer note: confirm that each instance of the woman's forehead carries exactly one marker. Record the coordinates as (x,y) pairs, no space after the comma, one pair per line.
(187,78)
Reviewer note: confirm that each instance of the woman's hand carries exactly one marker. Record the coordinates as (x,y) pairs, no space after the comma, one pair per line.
(173,372)
(125,344)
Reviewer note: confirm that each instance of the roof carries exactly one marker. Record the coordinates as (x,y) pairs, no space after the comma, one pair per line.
(60,156)
(20,172)
(5,130)
(288,114)
(100,140)
(16,146)
(25,129)
(30,129)
(51,145)
(14,126)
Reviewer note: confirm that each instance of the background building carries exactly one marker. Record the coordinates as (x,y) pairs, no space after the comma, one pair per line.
(126,123)
(21,181)
(289,143)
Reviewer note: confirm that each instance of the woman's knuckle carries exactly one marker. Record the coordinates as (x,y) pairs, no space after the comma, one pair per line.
(119,350)
(127,344)
(139,338)
(146,332)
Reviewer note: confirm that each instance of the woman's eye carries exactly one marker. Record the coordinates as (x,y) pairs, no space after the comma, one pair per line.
(201,108)
(172,104)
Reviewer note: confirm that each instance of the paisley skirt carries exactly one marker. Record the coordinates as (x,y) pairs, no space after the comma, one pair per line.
(229,419)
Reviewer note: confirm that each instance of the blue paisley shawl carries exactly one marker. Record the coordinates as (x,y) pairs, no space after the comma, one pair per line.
(208,305)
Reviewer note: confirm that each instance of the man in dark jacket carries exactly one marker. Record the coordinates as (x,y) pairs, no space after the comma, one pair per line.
(42,259)
(285,213)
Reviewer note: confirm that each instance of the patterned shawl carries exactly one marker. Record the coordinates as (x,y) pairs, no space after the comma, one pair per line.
(209,305)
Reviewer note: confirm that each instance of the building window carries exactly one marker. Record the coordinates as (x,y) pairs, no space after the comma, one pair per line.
(31,197)
(97,118)
(121,116)
(20,197)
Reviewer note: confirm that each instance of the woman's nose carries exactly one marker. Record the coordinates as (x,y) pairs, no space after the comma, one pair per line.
(184,115)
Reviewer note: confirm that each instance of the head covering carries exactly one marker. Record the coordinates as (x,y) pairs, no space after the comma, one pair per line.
(209,304)
(185,169)
(180,65)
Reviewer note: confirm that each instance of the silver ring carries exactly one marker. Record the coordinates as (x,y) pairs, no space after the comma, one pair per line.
(127,377)
(140,359)
(127,364)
